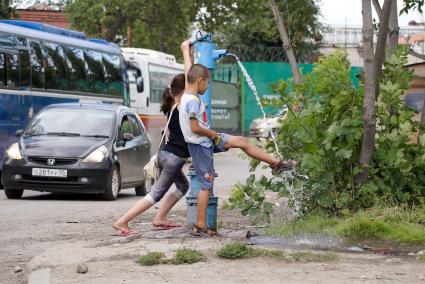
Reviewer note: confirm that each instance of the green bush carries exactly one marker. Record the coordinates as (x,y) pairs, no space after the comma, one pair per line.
(152,258)
(363,227)
(235,250)
(325,137)
(187,256)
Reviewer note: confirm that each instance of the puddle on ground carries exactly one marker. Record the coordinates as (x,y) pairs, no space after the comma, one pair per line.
(324,242)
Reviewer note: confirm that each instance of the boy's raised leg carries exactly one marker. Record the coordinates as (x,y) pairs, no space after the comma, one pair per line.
(251,150)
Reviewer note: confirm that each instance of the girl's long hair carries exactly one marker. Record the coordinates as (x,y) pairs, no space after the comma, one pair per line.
(176,87)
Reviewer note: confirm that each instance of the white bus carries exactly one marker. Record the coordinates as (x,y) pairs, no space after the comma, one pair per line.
(157,70)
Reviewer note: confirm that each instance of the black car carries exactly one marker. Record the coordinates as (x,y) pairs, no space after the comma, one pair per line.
(79,148)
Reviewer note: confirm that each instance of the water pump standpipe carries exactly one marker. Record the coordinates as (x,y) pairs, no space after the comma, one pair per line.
(207,55)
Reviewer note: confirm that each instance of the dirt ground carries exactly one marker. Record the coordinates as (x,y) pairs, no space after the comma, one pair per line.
(47,236)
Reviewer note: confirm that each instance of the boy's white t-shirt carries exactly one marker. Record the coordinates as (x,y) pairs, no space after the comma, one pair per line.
(192,106)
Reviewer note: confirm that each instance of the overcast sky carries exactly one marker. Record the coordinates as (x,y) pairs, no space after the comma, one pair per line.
(339,12)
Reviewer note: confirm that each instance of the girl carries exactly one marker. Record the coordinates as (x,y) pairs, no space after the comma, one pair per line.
(171,159)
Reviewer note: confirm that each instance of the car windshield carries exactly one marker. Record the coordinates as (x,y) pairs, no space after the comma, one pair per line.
(72,122)
(277,113)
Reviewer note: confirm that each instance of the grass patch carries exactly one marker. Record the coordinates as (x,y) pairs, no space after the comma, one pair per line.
(401,225)
(422,257)
(235,250)
(361,226)
(152,258)
(182,256)
(187,256)
(311,224)
(239,250)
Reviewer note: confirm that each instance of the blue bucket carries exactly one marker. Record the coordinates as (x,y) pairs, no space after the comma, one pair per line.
(211,212)
(191,201)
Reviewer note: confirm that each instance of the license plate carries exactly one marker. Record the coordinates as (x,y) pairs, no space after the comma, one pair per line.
(49,172)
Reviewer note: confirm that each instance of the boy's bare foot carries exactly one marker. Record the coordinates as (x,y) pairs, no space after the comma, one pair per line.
(199,232)
(283,166)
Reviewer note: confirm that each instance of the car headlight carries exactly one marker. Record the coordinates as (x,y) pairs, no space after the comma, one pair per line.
(97,155)
(13,152)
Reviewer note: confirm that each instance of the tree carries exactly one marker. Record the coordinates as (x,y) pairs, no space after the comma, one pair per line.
(105,18)
(7,9)
(373,58)
(161,25)
(248,29)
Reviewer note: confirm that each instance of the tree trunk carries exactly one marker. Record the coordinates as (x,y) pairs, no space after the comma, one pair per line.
(372,69)
(286,42)
(382,39)
(129,36)
(394,29)
(369,116)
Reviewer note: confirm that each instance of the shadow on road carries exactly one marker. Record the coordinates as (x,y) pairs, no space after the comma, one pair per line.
(34,195)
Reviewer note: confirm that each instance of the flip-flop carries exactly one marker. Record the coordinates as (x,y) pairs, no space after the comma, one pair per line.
(122,233)
(165,226)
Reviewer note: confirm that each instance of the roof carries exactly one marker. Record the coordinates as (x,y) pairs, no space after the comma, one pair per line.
(99,106)
(415,64)
(7,27)
(46,16)
(152,56)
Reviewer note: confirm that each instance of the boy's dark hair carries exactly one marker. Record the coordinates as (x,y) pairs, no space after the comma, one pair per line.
(197,71)
(176,86)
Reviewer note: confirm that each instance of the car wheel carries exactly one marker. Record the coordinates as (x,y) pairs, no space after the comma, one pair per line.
(144,188)
(114,186)
(13,193)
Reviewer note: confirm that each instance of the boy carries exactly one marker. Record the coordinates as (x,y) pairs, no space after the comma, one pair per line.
(203,142)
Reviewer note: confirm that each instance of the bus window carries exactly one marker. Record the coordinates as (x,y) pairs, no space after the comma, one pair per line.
(37,69)
(11,69)
(13,72)
(95,74)
(8,42)
(2,71)
(76,69)
(24,59)
(159,79)
(55,73)
(113,78)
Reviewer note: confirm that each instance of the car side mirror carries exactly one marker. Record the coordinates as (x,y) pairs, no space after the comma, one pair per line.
(19,133)
(139,84)
(127,137)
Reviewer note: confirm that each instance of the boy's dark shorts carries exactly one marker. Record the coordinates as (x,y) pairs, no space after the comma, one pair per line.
(203,163)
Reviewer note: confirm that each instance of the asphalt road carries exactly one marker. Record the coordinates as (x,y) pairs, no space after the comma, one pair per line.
(40,220)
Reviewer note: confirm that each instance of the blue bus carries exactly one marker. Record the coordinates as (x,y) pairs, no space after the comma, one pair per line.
(42,65)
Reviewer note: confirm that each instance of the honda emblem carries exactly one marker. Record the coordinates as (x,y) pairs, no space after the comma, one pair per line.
(51,162)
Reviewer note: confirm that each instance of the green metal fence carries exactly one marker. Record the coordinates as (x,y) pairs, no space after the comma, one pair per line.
(263,74)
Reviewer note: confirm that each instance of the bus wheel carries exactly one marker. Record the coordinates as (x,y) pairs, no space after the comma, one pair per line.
(13,193)
(114,186)
(144,188)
